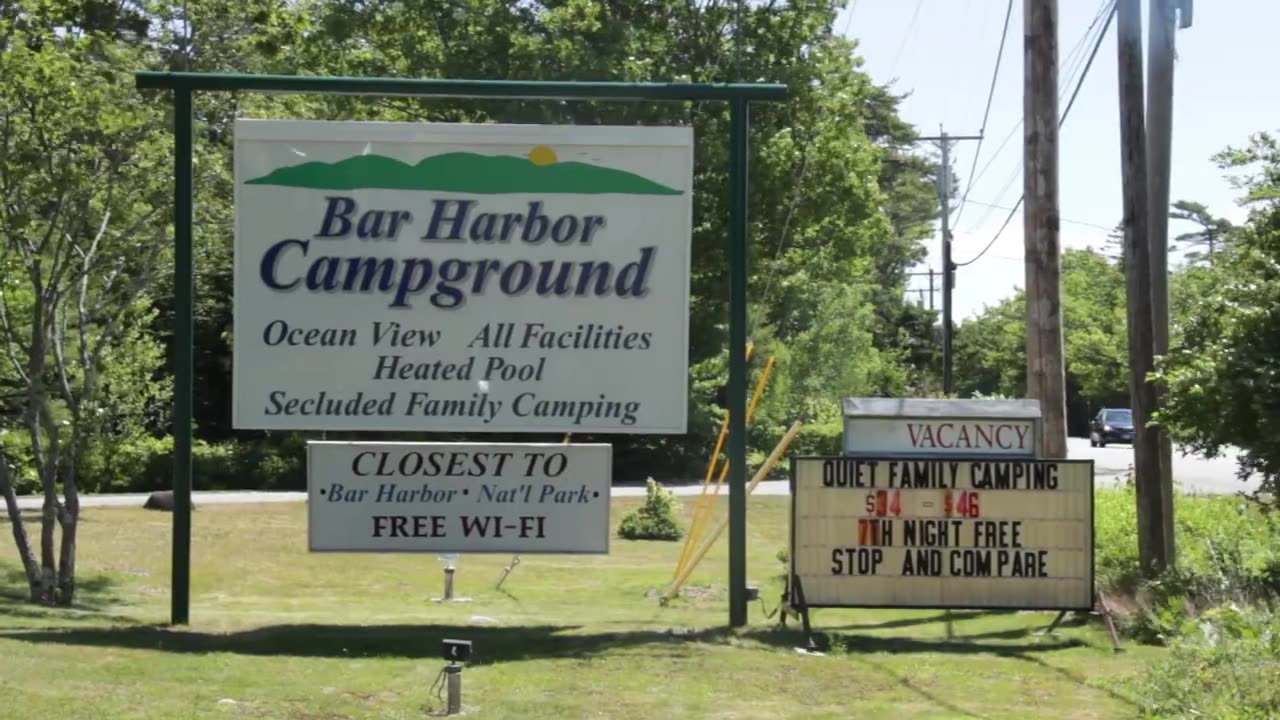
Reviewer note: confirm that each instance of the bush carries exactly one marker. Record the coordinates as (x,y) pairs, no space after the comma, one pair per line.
(146,464)
(1228,553)
(1224,665)
(655,520)
(819,439)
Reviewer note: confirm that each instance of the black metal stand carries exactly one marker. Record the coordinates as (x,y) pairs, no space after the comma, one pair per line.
(802,608)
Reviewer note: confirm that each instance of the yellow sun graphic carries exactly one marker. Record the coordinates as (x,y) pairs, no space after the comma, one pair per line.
(543,155)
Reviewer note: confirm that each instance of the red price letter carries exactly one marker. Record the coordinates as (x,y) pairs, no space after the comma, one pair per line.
(968,505)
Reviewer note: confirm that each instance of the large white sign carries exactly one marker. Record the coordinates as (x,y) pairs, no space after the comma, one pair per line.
(522,498)
(454,277)
(943,533)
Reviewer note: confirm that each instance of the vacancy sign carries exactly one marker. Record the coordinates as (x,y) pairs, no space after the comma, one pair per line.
(461,277)
(942,533)
(525,498)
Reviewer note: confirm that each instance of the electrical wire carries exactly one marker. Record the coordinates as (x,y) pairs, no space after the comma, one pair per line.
(1066,111)
(848,17)
(1072,65)
(986,113)
(437,686)
(911,26)
(1082,223)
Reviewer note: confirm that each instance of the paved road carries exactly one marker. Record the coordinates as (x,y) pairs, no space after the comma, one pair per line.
(1110,464)
(1192,474)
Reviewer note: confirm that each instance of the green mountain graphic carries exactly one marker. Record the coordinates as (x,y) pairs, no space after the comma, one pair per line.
(465,173)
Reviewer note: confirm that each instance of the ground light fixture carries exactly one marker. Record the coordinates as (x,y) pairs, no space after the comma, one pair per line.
(456,652)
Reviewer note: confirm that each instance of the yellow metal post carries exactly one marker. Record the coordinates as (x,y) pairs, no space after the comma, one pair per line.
(702,510)
(711,468)
(760,475)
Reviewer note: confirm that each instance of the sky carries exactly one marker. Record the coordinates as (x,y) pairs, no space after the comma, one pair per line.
(943,52)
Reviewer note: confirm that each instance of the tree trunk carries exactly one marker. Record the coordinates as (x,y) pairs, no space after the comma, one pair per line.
(69,518)
(20,531)
(48,564)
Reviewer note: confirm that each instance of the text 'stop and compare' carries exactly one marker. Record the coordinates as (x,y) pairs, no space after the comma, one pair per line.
(524,498)
(461,277)
(943,533)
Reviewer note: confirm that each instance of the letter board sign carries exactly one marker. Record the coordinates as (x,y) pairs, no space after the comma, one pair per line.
(994,533)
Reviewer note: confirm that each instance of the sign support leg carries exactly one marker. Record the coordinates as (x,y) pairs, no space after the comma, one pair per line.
(802,606)
(739,123)
(1105,611)
(183,343)
(1054,625)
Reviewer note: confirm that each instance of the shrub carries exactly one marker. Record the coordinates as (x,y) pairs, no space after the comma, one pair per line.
(1228,553)
(655,520)
(146,464)
(1223,665)
(819,439)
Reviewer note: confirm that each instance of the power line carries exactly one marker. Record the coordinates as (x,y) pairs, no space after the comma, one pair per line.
(1072,65)
(1083,223)
(1067,110)
(915,15)
(848,17)
(986,113)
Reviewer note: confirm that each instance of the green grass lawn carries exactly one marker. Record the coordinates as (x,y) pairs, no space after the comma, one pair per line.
(277,632)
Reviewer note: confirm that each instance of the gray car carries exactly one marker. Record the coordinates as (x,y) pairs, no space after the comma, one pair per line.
(1111,425)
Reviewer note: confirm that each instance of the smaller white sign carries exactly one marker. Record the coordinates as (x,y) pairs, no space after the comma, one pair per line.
(932,427)
(932,436)
(525,498)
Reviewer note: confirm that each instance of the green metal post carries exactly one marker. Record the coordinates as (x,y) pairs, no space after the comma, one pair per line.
(183,344)
(739,123)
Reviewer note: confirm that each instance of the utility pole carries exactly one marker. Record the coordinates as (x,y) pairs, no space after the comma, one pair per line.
(1165,18)
(948,267)
(931,274)
(1155,527)
(1046,371)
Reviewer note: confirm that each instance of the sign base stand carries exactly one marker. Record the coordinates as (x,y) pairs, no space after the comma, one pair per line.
(801,608)
(793,601)
(1100,607)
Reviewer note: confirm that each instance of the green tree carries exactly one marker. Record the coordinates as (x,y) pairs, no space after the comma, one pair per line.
(83,184)
(1094,328)
(1223,372)
(1211,234)
(991,349)
(838,198)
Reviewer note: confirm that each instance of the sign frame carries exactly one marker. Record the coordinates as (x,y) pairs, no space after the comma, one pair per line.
(185,85)
(794,593)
